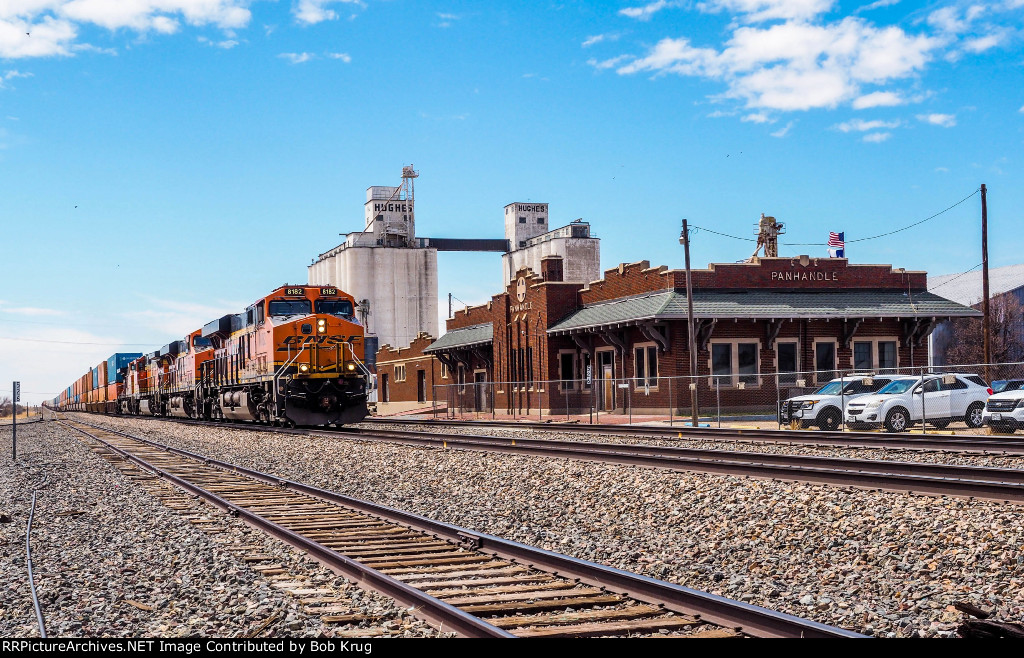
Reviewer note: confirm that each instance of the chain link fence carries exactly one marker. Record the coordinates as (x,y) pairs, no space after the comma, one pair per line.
(761,399)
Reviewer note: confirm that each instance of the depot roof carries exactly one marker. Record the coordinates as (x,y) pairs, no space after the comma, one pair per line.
(761,304)
(479,334)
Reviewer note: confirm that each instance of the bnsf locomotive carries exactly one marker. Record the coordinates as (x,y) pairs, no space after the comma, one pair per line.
(294,357)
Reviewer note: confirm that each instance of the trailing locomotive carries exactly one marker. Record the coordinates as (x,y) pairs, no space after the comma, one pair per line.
(293,357)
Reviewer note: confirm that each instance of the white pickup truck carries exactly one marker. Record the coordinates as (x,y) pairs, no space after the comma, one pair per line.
(935,399)
(1004,412)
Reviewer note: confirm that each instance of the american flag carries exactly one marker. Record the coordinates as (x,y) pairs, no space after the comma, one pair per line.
(836,240)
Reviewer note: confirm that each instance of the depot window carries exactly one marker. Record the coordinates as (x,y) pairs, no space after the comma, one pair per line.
(824,361)
(567,370)
(645,363)
(400,373)
(875,354)
(734,362)
(290,307)
(787,361)
(340,307)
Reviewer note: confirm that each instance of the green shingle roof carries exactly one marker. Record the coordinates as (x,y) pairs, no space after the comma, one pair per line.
(478,334)
(671,305)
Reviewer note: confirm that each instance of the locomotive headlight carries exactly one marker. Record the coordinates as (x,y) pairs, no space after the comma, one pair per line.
(351,366)
(303,368)
(321,325)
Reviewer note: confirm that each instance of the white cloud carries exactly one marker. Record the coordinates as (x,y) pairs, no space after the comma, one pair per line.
(645,12)
(944,170)
(31,310)
(758,117)
(226,45)
(877,138)
(1022,106)
(944,120)
(11,75)
(981,44)
(757,11)
(311,12)
(45,38)
(878,99)
(784,131)
(859,125)
(598,38)
(878,4)
(607,63)
(345,57)
(44,28)
(795,65)
(297,58)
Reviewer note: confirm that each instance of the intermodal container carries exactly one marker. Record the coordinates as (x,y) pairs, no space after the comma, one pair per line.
(118,361)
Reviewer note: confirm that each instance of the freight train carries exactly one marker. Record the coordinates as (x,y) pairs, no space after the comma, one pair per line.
(293,357)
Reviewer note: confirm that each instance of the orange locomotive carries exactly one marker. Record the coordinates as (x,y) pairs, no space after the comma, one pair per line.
(294,357)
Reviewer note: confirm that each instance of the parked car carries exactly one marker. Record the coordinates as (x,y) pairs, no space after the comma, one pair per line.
(1001,385)
(824,407)
(1004,411)
(935,399)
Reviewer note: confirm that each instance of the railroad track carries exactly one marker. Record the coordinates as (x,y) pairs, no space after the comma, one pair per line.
(472,583)
(985,482)
(931,442)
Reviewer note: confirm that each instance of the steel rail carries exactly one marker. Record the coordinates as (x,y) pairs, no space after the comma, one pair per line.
(684,455)
(917,477)
(702,605)
(1002,484)
(947,442)
(426,606)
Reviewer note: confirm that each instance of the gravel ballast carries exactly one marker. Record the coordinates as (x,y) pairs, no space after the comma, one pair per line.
(883,453)
(110,559)
(883,563)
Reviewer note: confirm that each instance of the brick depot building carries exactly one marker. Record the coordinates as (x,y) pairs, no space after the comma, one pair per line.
(550,345)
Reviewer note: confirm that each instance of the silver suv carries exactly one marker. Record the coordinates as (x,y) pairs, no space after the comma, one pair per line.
(824,407)
(935,399)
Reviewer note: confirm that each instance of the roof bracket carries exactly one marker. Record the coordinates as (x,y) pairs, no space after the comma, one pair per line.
(486,356)
(583,341)
(849,329)
(774,327)
(702,331)
(615,339)
(658,333)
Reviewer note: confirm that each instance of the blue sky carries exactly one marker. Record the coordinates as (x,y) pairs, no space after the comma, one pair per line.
(165,161)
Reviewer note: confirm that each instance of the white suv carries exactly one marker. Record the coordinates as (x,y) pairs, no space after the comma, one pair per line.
(1004,412)
(938,399)
(824,407)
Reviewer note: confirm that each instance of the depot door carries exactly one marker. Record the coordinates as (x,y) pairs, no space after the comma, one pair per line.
(421,386)
(480,391)
(606,366)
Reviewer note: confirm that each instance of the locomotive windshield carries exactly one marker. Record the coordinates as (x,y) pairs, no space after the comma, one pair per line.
(290,307)
(201,343)
(341,307)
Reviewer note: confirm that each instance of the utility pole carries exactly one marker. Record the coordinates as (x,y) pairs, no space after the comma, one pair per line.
(986,319)
(684,238)
(449,306)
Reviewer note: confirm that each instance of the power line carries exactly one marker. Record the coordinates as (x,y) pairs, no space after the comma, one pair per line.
(873,237)
(956,277)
